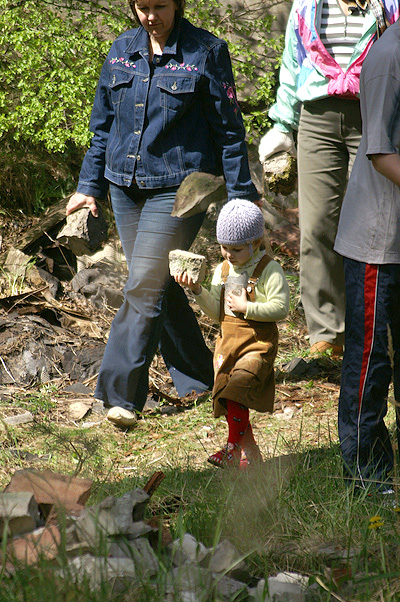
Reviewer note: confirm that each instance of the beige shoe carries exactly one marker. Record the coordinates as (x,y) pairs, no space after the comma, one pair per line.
(121,417)
(323,346)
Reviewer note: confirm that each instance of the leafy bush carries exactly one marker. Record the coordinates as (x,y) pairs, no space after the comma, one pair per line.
(52,52)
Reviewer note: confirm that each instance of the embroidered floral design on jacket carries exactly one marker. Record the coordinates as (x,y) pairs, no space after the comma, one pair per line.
(123,61)
(231,94)
(180,66)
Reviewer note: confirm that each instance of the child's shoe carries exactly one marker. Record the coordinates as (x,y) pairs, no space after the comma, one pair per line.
(229,457)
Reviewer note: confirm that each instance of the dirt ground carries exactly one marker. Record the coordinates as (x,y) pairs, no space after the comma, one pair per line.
(305,405)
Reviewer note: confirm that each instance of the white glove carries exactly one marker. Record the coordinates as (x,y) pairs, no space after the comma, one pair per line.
(273,142)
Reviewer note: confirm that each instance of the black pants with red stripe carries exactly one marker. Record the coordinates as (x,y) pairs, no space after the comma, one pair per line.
(371,360)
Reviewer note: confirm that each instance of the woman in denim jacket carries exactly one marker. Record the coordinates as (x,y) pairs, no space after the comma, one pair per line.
(165,107)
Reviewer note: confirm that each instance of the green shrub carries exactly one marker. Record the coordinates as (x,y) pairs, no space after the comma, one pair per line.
(50,60)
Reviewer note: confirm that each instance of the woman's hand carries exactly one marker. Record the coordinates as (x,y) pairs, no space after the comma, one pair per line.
(185,280)
(237,303)
(79,200)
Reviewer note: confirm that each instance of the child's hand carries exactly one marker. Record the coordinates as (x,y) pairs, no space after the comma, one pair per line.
(185,280)
(237,303)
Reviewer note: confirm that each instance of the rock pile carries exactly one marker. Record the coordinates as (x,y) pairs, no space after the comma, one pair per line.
(43,515)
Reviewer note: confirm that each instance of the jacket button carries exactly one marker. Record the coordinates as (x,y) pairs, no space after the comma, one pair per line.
(174,86)
(145,79)
(137,132)
(142,183)
(138,157)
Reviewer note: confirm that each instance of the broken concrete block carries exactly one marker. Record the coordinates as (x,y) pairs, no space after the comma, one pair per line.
(83,232)
(189,578)
(197,191)
(96,569)
(187,549)
(280,589)
(51,489)
(114,516)
(146,561)
(24,418)
(280,173)
(17,263)
(184,261)
(230,589)
(226,557)
(19,512)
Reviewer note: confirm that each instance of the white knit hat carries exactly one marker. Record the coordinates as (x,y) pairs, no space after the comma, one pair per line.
(239,222)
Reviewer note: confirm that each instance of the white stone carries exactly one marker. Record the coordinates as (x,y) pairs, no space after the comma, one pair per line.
(184,261)
(97,569)
(225,558)
(24,418)
(193,550)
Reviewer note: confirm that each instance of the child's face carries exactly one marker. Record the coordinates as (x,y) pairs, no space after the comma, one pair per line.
(239,254)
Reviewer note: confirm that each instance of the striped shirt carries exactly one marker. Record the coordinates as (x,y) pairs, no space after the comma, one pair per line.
(340,33)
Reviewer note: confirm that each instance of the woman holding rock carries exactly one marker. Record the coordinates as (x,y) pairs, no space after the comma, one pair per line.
(165,107)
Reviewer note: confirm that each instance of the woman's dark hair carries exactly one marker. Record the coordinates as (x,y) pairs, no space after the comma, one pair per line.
(180,9)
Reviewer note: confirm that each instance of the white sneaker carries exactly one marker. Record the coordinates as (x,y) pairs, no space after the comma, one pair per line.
(121,417)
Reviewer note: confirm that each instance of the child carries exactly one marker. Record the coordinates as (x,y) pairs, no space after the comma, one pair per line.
(248,294)
(368,237)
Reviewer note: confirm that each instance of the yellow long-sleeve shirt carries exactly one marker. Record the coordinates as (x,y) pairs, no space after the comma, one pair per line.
(271,292)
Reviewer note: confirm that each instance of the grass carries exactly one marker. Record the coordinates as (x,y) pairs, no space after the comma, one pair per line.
(294,513)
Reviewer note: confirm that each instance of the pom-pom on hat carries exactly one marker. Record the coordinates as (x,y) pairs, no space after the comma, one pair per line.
(239,222)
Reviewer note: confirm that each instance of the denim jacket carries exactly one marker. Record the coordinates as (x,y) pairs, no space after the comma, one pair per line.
(156,123)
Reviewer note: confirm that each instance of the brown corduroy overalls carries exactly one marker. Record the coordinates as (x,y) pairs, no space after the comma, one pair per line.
(244,355)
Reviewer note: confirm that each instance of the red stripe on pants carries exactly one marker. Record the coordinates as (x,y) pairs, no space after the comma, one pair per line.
(370,282)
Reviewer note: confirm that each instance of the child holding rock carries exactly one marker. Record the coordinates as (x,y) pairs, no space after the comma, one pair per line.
(248,294)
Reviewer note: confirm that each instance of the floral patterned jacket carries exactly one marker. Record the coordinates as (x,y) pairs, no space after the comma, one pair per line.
(154,123)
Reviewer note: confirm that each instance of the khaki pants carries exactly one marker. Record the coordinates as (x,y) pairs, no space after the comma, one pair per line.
(329,134)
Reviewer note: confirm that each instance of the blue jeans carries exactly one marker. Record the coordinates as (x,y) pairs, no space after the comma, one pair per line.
(155,312)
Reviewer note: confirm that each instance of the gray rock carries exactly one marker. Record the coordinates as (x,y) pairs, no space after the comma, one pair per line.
(24,418)
(187,550)
(230,589)
(19,511)
(114,516)
(300,367)
(190,578)
(280,173)
(184,261)
(83,232)
(145,560)
(197,191)
(225,558)
(96,570)
(284,587)
(102,283)
(17,263)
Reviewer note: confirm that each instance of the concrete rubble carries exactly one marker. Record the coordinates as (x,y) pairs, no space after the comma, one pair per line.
(184,261)
(111,542)
(280,174)
(83,232)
